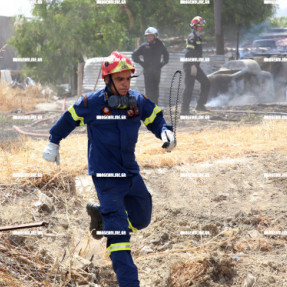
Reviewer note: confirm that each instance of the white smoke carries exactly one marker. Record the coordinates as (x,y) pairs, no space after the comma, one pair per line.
(246,92)
(229,100)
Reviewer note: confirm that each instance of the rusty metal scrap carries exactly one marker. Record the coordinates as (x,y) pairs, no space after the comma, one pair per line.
(23,226)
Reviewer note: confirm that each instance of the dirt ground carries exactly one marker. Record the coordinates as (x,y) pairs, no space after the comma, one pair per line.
(215,223)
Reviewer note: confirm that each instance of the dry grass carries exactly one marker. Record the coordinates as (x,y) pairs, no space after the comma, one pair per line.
(26,100)
(58,258)
(22,266)
(188,273)
(199,270)
(257,244)
(25,156)
(216,144)
(18,264)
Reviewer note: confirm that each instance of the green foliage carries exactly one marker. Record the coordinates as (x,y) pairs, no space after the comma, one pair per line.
(246,13)
(279,22)
(169,16)
(62,32)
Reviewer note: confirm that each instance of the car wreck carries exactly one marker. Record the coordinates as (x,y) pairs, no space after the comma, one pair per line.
(238,78)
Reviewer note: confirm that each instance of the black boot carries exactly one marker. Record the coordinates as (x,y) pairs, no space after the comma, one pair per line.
(96,219)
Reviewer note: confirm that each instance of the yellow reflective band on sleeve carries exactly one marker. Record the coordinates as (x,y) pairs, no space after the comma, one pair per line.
(151,118)
(75,116)
(189,45)
(119,247)
(198,42)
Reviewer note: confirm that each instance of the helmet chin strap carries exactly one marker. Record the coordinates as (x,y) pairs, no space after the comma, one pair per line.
(109,85)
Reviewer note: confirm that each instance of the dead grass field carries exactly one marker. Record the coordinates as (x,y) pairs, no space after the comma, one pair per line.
(235,197)
(25,156)
(236,204)
(26,100)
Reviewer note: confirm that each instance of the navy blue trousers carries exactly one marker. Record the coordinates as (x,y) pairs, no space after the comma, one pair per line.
(126,206)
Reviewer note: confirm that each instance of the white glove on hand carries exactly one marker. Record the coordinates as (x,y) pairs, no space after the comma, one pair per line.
(193,71)
(168,139)
(51,153)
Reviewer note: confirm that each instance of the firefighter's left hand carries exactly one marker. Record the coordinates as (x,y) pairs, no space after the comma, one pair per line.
(168,139)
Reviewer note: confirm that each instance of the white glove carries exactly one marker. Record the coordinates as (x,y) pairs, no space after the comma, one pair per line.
(168,139)
(193,71)
(51,153)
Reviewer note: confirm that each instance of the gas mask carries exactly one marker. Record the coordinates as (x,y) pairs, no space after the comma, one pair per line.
(117,102)
(127,102)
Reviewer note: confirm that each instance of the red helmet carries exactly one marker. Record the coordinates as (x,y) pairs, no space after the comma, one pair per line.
(115,63)
(197,22)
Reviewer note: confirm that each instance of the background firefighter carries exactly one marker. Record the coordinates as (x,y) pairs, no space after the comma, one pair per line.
(192,69)
(125,202)
(152,52)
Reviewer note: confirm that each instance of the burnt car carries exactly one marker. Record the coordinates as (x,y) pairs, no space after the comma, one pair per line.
(238,78)
(263,47)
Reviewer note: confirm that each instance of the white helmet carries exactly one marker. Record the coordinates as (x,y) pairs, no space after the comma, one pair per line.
(151,31)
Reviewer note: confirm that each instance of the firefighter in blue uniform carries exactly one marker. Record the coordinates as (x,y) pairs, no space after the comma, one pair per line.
(113,116)
(192,69)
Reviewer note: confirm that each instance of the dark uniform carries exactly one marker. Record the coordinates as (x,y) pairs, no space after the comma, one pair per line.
(194,50)
(152,64)
(125,202)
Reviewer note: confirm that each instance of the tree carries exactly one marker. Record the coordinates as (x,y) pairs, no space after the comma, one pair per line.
(173,18)
(218,27)
(279,22)
(62,32)
(169,16)
(246,15)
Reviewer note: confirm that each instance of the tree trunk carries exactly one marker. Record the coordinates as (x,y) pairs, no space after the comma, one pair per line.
(80,78)
(219,39)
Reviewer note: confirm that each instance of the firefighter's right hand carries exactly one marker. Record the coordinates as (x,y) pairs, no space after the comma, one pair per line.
(193,71)
(51,153)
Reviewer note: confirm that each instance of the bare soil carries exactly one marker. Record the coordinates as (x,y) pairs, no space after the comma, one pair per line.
(227,210)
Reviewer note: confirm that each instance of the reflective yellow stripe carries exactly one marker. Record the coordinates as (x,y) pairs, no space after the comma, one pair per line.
(75,116)
(119,247)
(189,45)
(198,42)
(151,118)
(131,226)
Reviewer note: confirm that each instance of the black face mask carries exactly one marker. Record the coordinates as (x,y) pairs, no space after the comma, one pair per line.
(117,102)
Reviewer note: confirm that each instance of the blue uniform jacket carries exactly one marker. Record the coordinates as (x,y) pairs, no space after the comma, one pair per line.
(111,142)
